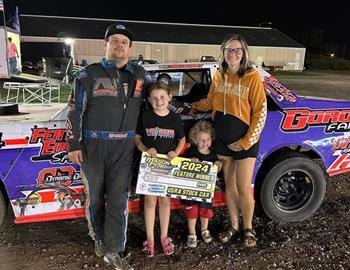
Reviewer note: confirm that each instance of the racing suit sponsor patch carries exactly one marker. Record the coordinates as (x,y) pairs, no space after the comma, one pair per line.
(117,135)
(103,88)
(138,88)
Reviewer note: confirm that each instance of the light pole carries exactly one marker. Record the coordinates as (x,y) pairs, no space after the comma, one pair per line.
(331,58)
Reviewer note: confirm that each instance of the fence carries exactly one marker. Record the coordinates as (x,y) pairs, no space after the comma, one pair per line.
(31,92)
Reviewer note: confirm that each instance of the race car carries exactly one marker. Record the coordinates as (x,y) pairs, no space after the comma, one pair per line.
(301,136)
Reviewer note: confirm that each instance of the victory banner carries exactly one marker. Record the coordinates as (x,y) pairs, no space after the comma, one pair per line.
(177,178)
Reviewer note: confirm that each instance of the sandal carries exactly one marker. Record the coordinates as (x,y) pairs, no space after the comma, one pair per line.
(227,235)
(148,248)
(249,238)
(167,245)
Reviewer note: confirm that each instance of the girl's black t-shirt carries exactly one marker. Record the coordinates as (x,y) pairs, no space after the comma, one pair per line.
(160,132)
(193,152)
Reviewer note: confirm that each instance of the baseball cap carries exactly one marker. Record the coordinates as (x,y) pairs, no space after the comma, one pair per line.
(119,29)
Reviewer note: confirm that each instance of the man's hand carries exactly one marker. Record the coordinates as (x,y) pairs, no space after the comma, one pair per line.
(76,157)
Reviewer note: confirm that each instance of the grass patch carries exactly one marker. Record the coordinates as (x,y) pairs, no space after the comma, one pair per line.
(322,62)
(65,91)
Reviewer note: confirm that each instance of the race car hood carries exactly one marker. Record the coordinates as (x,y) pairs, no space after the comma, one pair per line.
(285,98)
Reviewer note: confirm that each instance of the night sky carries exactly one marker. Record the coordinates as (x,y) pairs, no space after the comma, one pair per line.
(322,28)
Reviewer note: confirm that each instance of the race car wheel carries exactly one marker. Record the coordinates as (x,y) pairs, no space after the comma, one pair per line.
(293,189)
(3,209)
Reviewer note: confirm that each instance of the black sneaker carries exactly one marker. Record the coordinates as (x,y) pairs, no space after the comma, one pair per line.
(100,249)
(114,259)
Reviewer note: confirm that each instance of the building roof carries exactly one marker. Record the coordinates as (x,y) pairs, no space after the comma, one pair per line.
(90,28)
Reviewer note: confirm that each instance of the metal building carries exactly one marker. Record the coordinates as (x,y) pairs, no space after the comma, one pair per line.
(164,42)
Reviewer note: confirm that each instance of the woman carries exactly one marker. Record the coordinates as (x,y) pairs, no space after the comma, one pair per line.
(238,102)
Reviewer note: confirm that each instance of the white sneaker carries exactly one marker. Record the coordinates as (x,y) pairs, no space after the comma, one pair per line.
(100,249)
(192,241)
(207,238)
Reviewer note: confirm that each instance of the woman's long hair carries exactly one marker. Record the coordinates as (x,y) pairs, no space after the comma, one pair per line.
(245,63)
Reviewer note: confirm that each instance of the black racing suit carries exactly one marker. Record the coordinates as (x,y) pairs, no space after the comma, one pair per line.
(104,107)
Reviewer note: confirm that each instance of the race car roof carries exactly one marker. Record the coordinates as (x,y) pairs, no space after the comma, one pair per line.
(90,28)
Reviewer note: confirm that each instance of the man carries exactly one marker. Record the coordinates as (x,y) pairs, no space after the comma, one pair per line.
(104,107)
(13,54)
(140,60)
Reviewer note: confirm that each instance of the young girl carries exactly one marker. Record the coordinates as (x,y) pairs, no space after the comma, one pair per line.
(159,131)
(201,136)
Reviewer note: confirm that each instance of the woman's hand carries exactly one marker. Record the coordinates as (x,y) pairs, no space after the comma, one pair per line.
(172,154)
(192,113)
(152,152)
(235,146)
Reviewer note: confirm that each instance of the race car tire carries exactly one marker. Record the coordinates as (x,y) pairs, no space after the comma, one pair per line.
(8,109)
(293,189)
(3,210)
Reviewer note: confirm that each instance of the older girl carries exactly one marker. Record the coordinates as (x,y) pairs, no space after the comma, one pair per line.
(159,131)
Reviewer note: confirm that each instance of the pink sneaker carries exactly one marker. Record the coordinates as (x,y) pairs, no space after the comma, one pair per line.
(148,248)
(168,246)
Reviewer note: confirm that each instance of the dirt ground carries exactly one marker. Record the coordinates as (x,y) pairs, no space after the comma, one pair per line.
(321,242)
